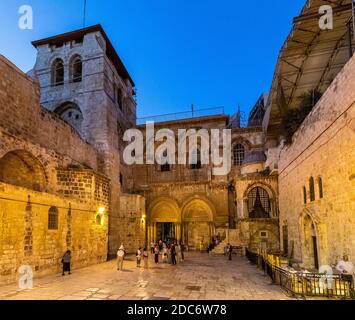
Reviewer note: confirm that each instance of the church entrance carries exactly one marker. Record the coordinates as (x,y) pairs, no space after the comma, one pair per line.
(165,231)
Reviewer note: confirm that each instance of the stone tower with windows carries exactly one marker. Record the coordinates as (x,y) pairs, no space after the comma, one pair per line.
(83,80)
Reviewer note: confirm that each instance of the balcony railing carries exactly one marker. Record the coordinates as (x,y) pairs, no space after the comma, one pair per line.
(304,284)
(182,115)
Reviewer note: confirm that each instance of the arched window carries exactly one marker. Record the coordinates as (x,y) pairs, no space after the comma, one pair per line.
(53,218)
(238,154)
(311,189)
(304,195)
(196,159)
(320,188)
(76,69)
(259,203)
(58,72)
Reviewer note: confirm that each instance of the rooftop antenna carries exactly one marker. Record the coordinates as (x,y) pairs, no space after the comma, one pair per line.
(84,19)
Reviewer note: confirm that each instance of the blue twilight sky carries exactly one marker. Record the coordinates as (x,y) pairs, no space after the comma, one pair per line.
(209,53)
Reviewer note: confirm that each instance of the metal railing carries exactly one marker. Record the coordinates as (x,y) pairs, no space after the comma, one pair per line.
(305,284)
(182,115)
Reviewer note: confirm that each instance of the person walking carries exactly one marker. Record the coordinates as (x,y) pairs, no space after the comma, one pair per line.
(173,254)
(230,251)
(145,258)
(156,254)
(66,262)
(152,246)
(139,257)
(120,257)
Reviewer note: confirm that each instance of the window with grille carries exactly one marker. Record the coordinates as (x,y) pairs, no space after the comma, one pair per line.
(238,154)
(53,218)
(311,189)
(263,197)
(58,72)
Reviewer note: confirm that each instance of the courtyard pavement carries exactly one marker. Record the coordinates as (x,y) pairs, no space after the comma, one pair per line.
(199,277)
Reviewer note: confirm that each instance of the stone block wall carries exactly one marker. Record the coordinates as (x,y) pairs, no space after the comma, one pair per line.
(132,231)
(26,240)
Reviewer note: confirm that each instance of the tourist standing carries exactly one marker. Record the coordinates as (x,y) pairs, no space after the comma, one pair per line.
(156,254)
(139,257)
(152,246)
(145,258)
(66,262)
(230,251)
(173,254)
(120,257)
(165,254)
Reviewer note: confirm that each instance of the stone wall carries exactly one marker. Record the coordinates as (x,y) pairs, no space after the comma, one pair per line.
(26,240)
(43,164)
(132,222)
(323,147)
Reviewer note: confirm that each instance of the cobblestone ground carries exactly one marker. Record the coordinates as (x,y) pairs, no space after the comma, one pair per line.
(200,276)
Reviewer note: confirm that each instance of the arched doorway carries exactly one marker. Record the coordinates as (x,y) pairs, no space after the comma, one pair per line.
(310,253)
(164,220)
(21,168)
(198,225)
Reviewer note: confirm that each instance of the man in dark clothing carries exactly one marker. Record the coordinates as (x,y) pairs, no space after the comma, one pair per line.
(66,262)
(173,254)
(230,252)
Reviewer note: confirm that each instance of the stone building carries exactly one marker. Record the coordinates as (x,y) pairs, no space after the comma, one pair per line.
(316,167)
(64,184)
(83,80)
(53,196)
(61,166)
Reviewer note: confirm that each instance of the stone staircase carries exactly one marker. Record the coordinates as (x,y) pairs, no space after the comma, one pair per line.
(219,249)
(232,238)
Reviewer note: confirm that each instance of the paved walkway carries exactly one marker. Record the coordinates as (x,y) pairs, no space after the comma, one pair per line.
(200,276)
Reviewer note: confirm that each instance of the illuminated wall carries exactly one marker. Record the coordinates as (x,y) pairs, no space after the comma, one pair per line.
(321,224)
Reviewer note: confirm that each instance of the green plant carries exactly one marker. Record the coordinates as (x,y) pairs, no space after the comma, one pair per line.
(293,118)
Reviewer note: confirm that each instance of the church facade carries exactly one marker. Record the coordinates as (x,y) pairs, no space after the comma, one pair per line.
(64,184)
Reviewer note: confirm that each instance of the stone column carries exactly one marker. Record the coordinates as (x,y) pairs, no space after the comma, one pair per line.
(178,232)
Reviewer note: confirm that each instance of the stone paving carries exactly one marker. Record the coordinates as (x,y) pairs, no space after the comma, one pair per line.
(199,277)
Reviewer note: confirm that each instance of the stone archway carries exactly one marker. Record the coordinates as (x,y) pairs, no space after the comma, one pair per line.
(21,168)
(198,226)
(71,113)
(164,220)
(310,243)
(247,207)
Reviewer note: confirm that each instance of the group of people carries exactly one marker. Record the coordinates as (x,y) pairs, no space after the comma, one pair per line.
(167,252)
(164,252)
